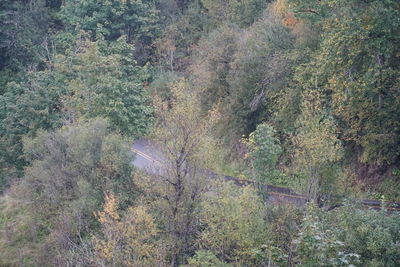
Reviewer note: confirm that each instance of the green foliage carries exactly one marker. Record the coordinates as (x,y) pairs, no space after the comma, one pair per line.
(313,10)
(243,13)
(234,229)
(357,66)
(174,47)
(183,129)
(260,71)
(318,148)
(113,19)
(98,81)
(27,107)
(70,169)
(138,21)
(211,65)
(245,73)
(108,84)
(283,221)
(205,258)
(88,152)
(23,35)
(264,151)
(348,235)
(318,246)
(371,234)
(187,146)
(316,136)
(307,80)
(390,188)
(162,84)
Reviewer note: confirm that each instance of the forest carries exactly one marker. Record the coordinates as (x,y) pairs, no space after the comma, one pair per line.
(300,94)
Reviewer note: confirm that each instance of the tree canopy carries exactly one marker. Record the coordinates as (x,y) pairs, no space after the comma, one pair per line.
(270,121)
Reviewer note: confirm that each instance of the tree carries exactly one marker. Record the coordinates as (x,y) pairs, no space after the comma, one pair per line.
(357,68)
(233,225)
(260,72)
(106,82)
(348,235)
(205,258)
(243,13)
(137,20)
(184,137)
(264,151)
(373,235)
(317,245)
(24,28)
(127,241)
(317,147)
(283,222)
(247,73)
(174,47)
(113,19)
(211,65)
(93,79)
(27,107)
(70,169)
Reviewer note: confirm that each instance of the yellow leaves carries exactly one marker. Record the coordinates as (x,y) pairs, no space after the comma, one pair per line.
(109,212)
(234,227)
(280,7)
(104,249)
(316,140)
(182,126)
(127,241)
(139,230)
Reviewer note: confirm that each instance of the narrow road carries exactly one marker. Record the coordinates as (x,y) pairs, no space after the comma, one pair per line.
(148,158)
(147,155)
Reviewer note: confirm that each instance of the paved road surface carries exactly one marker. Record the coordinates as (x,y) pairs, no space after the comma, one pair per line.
(147,155)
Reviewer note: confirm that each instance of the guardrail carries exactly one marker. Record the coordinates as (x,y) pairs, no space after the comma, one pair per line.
(288,194)
(282,193)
